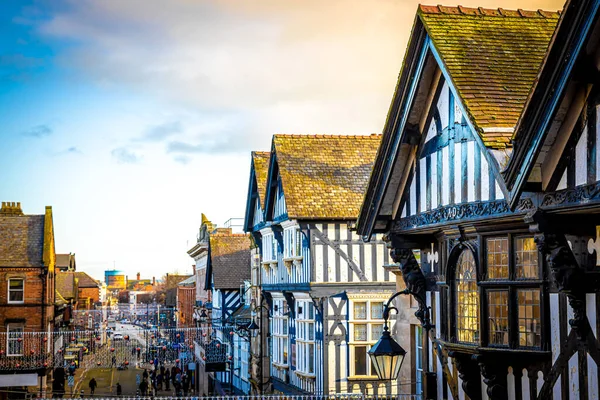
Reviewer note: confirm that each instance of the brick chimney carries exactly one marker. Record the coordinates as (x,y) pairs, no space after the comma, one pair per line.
(138,276)
(153,281)
(11,208)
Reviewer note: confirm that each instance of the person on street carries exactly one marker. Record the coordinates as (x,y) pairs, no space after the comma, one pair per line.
(144,387)
(167,380)
(159,381)
(92,385)
(185,384)
(114,361)
(119,389)
(145,375)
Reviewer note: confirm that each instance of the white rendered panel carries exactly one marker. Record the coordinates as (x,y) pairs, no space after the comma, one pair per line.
(443,105)
(446,177)
(471,171)
(499,194)
(563,182)
(581,159)
(573,364)
(485,180)
(434,181)
(413,195)
(458,174)
(423,184)
(592,370)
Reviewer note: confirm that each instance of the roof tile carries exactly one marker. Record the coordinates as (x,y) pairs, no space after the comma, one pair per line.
(493,57)
(325,176)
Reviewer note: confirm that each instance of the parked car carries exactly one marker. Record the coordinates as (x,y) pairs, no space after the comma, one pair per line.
(117,336)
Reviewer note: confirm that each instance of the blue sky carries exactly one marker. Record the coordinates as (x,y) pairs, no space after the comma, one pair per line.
(131,118)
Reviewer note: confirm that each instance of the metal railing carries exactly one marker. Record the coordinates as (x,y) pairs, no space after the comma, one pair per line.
(344,396)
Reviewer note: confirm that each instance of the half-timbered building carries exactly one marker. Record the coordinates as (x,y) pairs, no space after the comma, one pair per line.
(324,287)
(488,171)
(228,266)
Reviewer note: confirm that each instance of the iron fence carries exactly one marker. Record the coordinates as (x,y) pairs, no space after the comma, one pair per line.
(21,351)
(349,396)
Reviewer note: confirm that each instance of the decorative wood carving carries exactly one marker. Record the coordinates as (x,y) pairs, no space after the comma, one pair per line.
(468,372)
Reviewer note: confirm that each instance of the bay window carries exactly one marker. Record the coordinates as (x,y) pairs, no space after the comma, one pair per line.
(305,336)
(269,248)
(513,288)
(279,330)
(292,242)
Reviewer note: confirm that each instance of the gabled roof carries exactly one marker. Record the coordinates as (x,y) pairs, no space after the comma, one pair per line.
(322,176)
(479,53)
(577,22)
(261,169)
(493,57)
(66,261)
(257,187)
(228,261)
(25,240)
(66,284)
(86,281)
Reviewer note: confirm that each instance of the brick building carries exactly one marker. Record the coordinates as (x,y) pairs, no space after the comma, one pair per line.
(27,260)
(186,300)
(88,290)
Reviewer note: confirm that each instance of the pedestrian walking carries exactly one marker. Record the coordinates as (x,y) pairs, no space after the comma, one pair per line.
(119,389)
(145,375)
(159,381)
(114,361)
(185,384)
(167,380)
(144,387)
(92,385)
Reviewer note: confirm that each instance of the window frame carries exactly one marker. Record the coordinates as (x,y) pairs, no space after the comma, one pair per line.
(371,339)
(20,326)
(280,334)
(513,285)
(9,290)
(305,325)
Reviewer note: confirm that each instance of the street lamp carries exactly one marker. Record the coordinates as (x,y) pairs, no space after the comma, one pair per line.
(387,355)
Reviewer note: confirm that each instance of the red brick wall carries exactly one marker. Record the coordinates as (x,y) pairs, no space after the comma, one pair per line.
(186,298)
(87,298)
(31,309)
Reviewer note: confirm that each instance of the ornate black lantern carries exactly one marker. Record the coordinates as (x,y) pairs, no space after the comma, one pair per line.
(387,356)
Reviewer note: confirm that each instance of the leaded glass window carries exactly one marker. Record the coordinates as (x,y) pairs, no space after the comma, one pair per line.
(526,258)
(467,300)
(360,310)
(529,318)
(498,317)
(497,258)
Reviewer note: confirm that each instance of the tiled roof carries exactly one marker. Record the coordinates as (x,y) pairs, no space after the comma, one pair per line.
(63,260)
(325,176)
(65,284)
(21,240)
(261,169)
(85,280)
(493,57)
(230,259)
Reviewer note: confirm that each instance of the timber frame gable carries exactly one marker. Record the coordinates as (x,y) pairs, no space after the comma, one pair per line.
(549,129)
(408,137)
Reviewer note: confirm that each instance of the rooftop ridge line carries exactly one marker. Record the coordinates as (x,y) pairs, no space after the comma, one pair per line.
(487,12)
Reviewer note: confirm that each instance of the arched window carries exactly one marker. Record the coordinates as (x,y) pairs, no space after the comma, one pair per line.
(467,299)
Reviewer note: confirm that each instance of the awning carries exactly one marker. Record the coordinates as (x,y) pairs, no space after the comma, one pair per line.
(19,380)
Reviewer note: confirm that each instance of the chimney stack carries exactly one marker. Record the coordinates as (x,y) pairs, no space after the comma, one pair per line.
(153,281)
(138,276)
(11,208)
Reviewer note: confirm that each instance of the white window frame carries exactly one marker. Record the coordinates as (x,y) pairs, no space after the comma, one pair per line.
(22,290)
(292,243)
(371,322)
(305,337)
(10,338)
(280,334)
(269,248)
